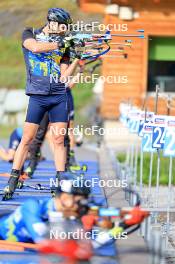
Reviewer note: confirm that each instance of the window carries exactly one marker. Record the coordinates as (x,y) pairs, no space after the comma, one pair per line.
(161,64)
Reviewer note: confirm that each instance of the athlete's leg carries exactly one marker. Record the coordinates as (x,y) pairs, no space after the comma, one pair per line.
(70,146)
(67,141)
(50,141)
(29,133)
(34,116)
(71,134)
(39,138)
(58,131)
(71,118)
(58,116)
(71,161)
(35,146)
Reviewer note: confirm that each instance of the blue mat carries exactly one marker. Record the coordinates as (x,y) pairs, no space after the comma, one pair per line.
(46,170)
(21,258)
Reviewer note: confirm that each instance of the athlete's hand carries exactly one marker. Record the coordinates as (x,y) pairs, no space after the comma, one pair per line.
(81,63)
(135,216)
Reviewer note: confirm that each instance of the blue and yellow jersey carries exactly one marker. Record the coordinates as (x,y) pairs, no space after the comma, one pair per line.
(43,69)
(28,223)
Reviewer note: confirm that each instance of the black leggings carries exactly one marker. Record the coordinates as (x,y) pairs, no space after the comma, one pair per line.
(36,144)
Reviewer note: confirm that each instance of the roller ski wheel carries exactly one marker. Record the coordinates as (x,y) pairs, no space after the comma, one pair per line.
(53,193)
(77,168)
(7,194)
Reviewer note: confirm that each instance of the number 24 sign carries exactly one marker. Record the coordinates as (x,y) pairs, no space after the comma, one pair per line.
(169,146)
(159,125)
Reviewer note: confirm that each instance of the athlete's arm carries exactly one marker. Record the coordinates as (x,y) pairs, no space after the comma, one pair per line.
(74,80)
(69,70)
(31,44)
(38,47)
(63,68)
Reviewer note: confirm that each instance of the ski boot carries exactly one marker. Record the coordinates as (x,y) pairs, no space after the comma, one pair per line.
(11,187)
(31,167)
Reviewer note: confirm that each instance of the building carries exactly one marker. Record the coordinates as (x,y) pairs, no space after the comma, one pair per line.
(150,61)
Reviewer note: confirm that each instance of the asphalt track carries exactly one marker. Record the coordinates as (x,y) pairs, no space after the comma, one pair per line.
(45,170)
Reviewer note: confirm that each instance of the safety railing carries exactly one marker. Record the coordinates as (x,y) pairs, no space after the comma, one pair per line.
(148,169)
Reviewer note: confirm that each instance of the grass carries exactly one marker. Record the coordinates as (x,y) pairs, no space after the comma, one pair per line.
(5,131)
(33,13)
(41,6)
(12,68)
(121,157)
(164,168)
(82,94)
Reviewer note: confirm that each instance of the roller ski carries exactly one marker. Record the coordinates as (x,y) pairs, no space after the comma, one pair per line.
(10,188)
(72,164)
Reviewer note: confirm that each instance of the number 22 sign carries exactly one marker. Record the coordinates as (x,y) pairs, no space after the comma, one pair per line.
(147,139)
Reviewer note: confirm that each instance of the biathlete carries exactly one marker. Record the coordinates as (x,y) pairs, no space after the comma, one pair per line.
(34,221)
(43,131)
(46,64)
(30,222)
(71,162)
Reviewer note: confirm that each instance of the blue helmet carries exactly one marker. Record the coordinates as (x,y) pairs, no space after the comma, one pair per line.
(59,15)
